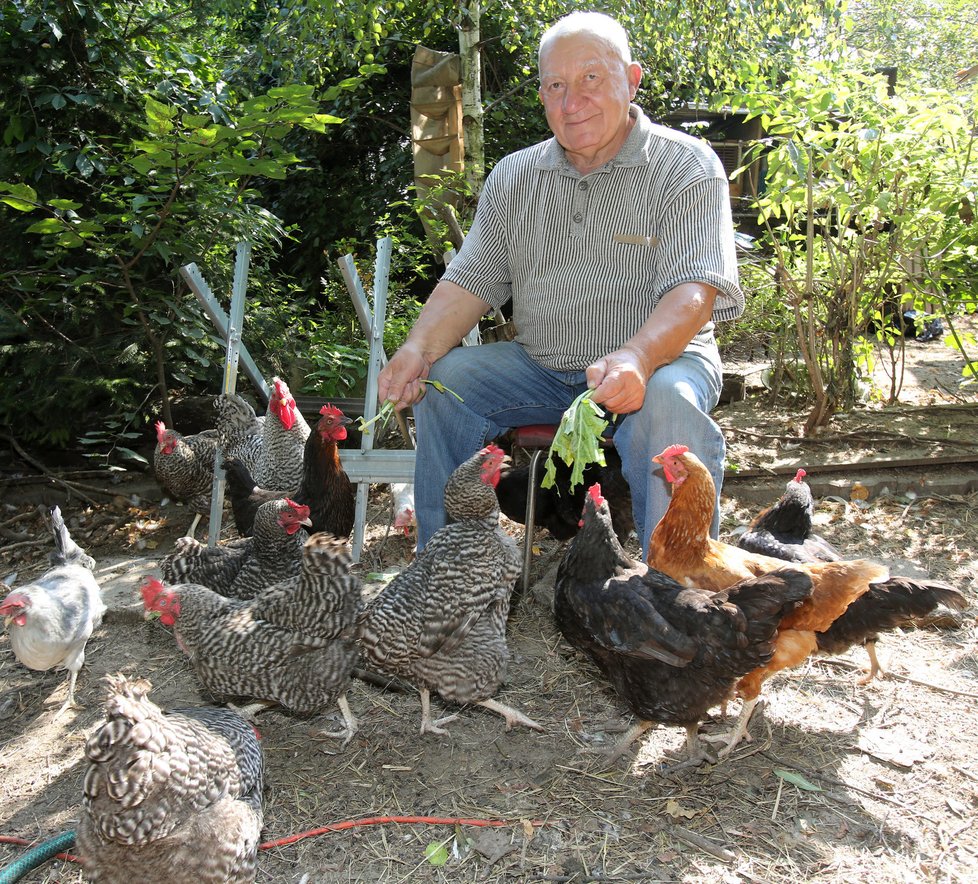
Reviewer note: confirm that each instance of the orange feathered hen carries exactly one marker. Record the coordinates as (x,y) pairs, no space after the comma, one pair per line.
(682,548)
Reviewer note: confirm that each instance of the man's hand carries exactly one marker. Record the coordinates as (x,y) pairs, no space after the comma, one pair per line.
(618,381)
(400,379)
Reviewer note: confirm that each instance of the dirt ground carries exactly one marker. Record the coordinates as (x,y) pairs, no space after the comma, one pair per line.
(841,783)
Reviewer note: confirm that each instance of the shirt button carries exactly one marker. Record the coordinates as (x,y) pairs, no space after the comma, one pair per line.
(582,185)
(578,217)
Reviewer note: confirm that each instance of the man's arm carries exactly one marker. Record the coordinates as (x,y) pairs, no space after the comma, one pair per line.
(619,379)
(448,315)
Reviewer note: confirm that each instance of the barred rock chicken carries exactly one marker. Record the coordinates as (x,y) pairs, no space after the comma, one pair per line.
(325,488)
(441,623)
(294,644)
(239,429)
(558,509)
(283,441)
(671,652)
(184,468)
(682,548)
(170,796)
(51,619)
(784,530)
(242,568)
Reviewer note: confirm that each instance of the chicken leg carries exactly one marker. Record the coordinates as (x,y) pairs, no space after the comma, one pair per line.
(512,716)
(427,725)
(732,738)
(346,733)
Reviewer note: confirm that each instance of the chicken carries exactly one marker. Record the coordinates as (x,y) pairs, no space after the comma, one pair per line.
(784,530)
(50,620)
(283,441)
(893,603)
(325,488)
(441,623)
(294,644)
(239,429)
(184,468)
(242,568)
(402,495)
(558,508)
(169,796)
(682,548)
(671,652)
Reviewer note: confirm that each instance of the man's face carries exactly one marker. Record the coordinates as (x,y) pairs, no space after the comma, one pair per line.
(586,89)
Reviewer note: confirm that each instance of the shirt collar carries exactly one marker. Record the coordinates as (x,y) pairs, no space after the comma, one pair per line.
(634,152)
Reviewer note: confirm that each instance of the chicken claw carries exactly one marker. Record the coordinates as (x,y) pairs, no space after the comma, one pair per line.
(351,725)
(512,716)
(731,739)
(427,725)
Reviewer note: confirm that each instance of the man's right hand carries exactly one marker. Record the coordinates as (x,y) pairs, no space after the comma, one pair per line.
(400,379)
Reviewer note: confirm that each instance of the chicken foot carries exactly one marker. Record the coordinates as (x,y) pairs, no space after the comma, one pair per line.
(512,716)
(70,702)
(250,711)
(352,726)
(427,725)
(874,665)
(732,738)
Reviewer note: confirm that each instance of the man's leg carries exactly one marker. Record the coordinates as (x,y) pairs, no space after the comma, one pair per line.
(676,410)
(501,388)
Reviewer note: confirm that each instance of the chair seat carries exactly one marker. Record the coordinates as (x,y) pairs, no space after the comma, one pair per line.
(535,435)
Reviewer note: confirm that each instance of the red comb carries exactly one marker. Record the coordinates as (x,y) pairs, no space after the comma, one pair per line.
(674,451)
(331,410)
(800,475)
(151,587)
(494,449)
(594,492)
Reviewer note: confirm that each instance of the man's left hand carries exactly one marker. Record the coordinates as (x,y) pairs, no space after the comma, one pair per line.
(618,381)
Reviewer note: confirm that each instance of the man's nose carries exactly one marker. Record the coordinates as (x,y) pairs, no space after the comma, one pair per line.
(573,99)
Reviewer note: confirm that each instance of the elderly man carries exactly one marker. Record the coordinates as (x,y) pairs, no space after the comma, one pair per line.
(615,243)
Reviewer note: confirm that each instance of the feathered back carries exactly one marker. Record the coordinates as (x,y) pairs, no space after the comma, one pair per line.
(66,551)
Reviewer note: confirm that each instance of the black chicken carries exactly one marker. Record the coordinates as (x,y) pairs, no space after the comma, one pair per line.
(671,652)
(325,487)
(784,530)
(558,508)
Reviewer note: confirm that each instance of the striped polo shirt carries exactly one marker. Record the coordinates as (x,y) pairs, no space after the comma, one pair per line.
(585,258)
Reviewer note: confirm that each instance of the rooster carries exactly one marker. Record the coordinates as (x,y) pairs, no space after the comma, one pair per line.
(682,548)
(283,441)
(558,509)
(184,468)
(441,623)
(243,567)
(325,488)
(293,645)
(671,652)
(170,796)
(784,530)
(51,620)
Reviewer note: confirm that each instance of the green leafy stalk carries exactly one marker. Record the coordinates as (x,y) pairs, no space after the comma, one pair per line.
(387,409)
(578,440)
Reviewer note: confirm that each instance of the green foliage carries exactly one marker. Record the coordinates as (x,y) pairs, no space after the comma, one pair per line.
(577,441)
(862,211)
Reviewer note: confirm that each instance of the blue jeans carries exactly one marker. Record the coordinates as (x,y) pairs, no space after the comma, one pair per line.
(503,388)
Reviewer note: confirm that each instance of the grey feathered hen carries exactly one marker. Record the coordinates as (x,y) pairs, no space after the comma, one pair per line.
(294,644)
(170,796)
(242,568)
(239,429)
(51,619)
(283,441)
(184,468)
(441,623)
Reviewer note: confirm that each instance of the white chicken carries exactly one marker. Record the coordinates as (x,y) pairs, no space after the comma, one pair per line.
(51,620)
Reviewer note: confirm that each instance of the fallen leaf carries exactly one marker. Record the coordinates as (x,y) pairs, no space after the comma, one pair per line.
(676,811)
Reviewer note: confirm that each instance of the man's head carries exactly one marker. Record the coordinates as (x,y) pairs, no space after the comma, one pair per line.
(587,80)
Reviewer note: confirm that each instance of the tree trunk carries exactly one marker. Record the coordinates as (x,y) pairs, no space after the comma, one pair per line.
(474,136)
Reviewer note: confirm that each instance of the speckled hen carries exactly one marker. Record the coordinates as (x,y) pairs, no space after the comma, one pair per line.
(169,796)
(283,441)
(293,645)
(242,568)
(184,468)
(441,623)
